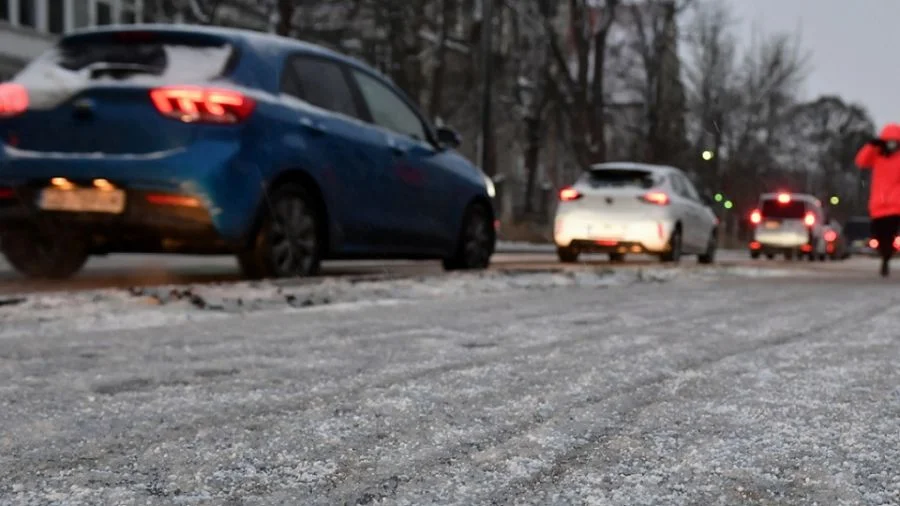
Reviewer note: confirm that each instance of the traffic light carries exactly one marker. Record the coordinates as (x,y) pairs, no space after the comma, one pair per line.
(835,200)
(719,197)
(728,204)
(708,155)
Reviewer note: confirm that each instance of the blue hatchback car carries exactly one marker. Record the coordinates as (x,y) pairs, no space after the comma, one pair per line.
(194,140)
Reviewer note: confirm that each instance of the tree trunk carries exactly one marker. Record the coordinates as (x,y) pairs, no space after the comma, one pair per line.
(437,78)
(285,17)
(532,157)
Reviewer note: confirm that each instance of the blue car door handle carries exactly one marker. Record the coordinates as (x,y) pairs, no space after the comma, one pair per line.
(313,126)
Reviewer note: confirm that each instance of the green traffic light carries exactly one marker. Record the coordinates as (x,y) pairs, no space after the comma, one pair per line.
(728,204)
(719,197)
(835,200)
(708,155)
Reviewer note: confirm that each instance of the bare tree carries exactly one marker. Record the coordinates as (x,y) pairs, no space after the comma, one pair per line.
(579,84)
(829,132)
(710,78)
(656,43)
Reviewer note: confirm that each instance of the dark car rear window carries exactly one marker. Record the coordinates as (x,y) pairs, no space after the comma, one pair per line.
(794,209)
(122,55)
(619,178)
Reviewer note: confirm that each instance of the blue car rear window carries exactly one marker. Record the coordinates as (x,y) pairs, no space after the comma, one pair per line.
(122,55)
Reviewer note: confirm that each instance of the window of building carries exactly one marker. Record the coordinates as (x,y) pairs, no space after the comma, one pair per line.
(4,10)
(27,13)
(104,14)
(56,16)
(127,12)
(82,13)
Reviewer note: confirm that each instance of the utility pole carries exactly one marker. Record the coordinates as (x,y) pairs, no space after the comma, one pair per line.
(487,29)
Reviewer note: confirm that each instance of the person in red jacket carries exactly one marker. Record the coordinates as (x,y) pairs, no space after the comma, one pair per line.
(882,156)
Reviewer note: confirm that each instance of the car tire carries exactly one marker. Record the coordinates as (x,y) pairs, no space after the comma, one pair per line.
(289,240)
(476,241)
(789,256)
(709,256)
(673,255)
(770,256)
(567,255)
(823,257)
(46,252)
(617,258)
(754,255)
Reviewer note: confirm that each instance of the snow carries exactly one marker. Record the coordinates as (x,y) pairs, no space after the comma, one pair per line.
(113,309)
(644,385)
(50,84)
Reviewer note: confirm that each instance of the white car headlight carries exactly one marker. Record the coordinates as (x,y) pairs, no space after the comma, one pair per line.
(489,184)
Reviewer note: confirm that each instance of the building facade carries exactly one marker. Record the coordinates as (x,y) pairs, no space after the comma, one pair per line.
(29,27)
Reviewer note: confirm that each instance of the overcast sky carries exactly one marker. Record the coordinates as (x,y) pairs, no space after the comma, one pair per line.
(855,46)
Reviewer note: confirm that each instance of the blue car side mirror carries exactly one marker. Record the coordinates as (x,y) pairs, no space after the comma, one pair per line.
(448,137)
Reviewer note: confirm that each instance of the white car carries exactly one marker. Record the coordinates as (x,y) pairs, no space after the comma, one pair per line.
(620,208)
(791,224)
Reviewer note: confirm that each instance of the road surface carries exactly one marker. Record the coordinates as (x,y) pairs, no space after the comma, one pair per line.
(638,387)
(123,271)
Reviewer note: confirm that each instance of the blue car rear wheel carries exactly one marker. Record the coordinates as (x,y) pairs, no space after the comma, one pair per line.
(45,251)
(288,243)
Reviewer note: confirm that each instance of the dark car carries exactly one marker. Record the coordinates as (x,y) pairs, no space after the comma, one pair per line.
(858,234)
(198,140)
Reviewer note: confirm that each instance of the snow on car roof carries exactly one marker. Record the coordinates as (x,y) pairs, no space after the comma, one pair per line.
(633,166)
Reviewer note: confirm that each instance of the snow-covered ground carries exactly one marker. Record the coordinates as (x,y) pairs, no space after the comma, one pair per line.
(144,307)
(635,386)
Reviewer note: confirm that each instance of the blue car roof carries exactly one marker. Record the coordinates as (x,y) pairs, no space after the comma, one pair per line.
(239,36)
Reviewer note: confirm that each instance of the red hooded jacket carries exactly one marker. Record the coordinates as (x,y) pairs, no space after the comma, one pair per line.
(884,194)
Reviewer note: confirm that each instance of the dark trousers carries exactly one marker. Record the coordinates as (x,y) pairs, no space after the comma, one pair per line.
(884,230)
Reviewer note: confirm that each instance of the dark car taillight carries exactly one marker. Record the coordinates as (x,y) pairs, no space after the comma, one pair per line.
(196,104)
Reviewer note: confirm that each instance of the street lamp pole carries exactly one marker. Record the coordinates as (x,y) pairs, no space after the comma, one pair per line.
(486,78)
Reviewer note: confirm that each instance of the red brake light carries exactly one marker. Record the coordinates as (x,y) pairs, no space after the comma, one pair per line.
(896,242)
(569,194)
(756,217)
(830,236)
(658,198)
(162,199)
(784,198)
(873,243)
(755,245)
(810,219)
(6,193)
(13,99)
(194,104)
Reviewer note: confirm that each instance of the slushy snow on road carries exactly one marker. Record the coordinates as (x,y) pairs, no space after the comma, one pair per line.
(634,386)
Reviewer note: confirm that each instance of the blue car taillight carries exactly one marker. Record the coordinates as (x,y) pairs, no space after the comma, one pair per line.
(13,100)
(197,104)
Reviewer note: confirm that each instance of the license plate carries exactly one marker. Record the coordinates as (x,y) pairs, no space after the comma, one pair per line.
(603,231)
(771,224)
(83,200)
(858,243)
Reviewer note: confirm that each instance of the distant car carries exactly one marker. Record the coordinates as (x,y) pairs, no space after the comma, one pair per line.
(789,224)
(836,246)
(859,235)
(620,208)
(201,140)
